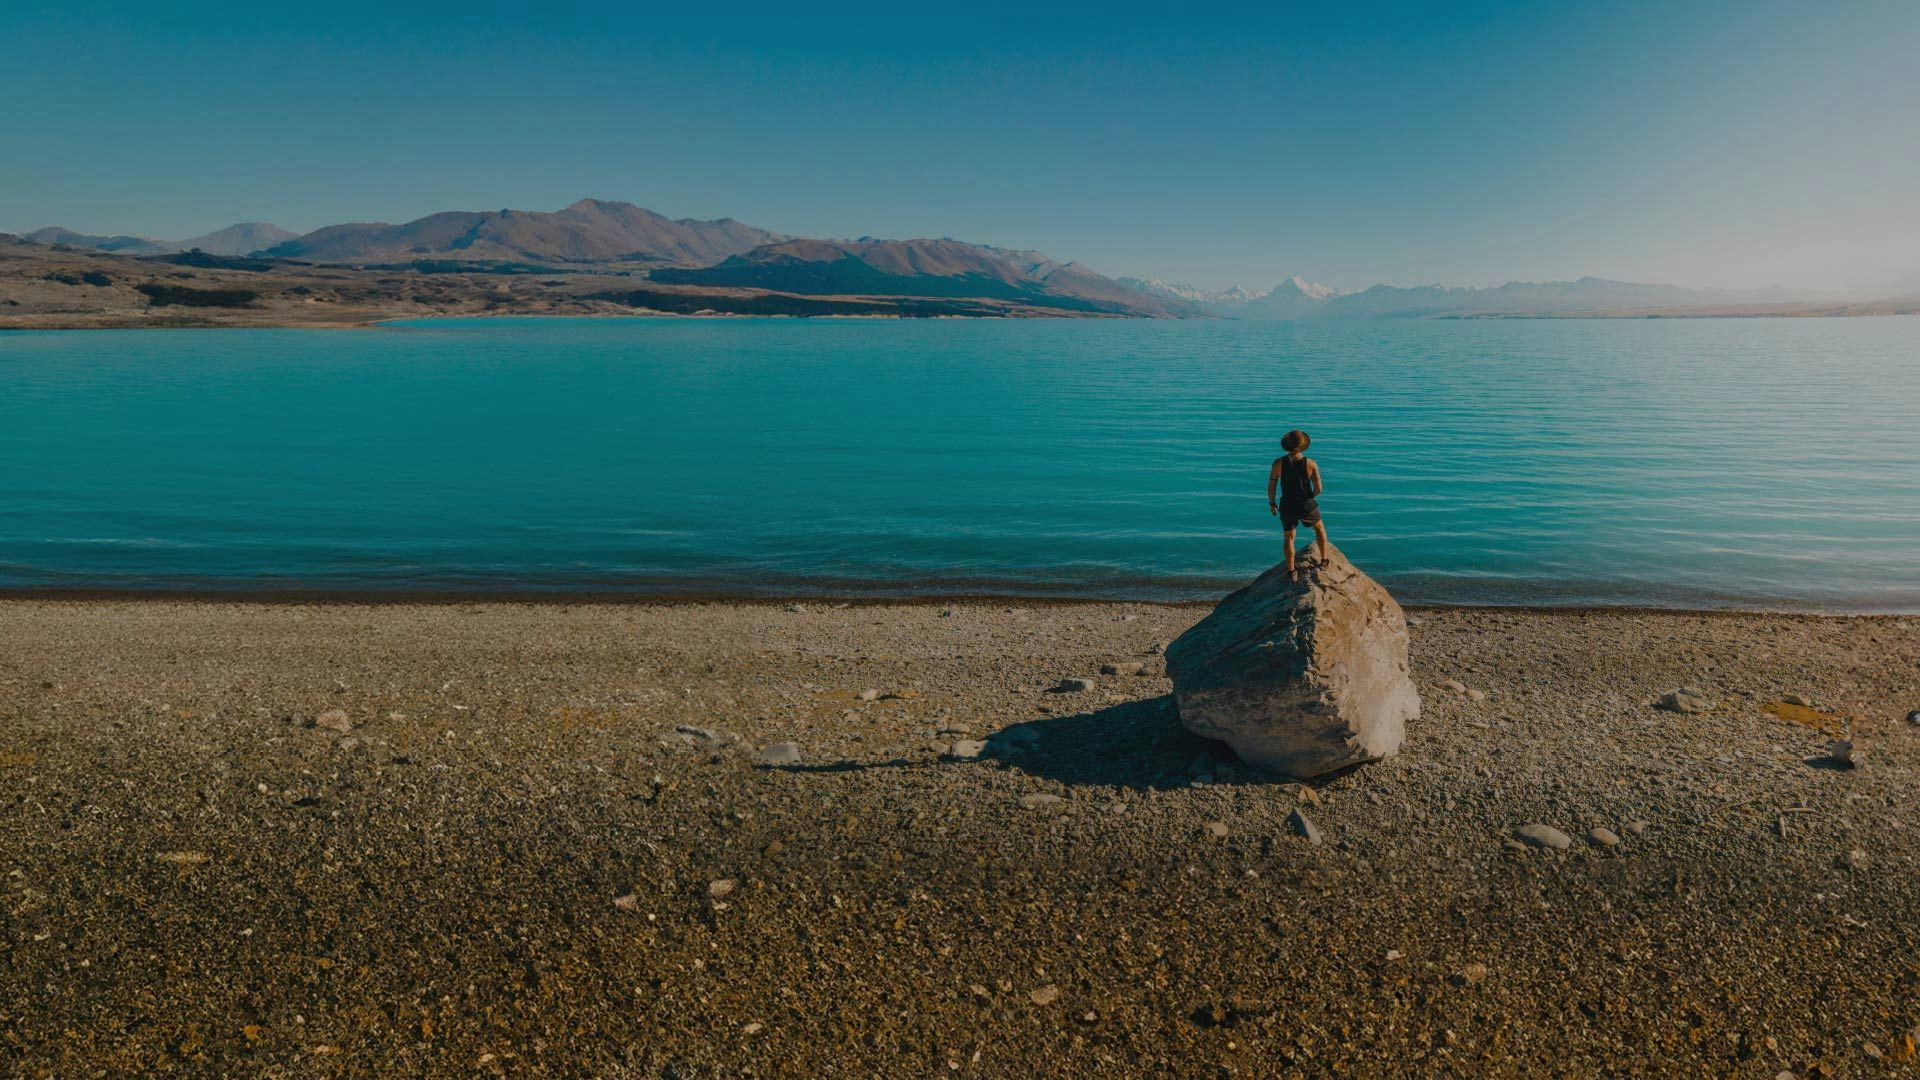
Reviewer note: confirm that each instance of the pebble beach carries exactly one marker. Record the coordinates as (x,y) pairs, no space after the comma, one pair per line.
(818,839)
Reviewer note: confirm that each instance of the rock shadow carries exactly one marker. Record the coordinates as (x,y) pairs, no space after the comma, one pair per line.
(1136,744)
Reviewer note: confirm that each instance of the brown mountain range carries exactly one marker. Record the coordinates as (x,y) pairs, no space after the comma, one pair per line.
(727,255)
(590,231)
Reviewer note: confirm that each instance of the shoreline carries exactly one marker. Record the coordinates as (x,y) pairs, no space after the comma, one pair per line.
(692,597)
(379,321)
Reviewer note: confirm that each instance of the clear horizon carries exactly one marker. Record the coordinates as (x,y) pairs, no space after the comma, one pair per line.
(1703,145)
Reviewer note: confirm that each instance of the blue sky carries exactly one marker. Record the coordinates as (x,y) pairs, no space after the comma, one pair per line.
(1735,144)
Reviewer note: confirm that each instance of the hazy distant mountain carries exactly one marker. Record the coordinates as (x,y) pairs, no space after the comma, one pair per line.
(124,245)
(869,267)
(1589,294)
(588,231)
(243,239)
(1298,298)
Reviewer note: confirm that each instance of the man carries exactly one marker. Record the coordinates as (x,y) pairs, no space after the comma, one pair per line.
(1296,480)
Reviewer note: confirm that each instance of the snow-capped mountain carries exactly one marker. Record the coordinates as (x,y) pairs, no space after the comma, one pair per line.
(1157,287)
(1291,299)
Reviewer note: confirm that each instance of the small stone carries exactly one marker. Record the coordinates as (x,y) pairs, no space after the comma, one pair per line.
(780,753)
(869,695)
(1044,995)
(1602,837)
(954,729)
(1216,829)
(965,750)
(1157,648)
(184,858)
(722,887)
(1454,685)
(629,902)
(1302,825)
(1914,718)
(1470,974)
(752,1029)
(1796,699)
(1854,860)
(1637,828)
(796,608)
(1040,800)
(1683,700)
(1545,836)
(1129,668)
(334,720)
(1074,686)
(1844,755)
(1302,792)
(1476,695)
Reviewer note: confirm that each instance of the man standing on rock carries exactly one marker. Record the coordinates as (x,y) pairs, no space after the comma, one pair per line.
(1296,481)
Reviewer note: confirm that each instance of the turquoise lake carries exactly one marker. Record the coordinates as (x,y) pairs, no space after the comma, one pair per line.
(1693,463)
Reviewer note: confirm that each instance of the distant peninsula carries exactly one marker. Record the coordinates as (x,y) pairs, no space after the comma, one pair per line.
(600,257)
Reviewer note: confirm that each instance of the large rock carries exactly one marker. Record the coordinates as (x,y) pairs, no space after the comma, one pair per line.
(1303,676)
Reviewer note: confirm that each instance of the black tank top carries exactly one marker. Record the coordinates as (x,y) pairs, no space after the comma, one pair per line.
(1296,487)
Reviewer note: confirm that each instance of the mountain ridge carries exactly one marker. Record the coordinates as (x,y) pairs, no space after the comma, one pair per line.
(730,254)
(942,267)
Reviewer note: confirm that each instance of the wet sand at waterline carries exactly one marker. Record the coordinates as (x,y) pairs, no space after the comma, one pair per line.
(286,839)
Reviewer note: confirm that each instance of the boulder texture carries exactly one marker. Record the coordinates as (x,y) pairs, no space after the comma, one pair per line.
(1303,676)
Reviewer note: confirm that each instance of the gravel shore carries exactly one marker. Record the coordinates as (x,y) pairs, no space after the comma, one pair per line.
(337,839)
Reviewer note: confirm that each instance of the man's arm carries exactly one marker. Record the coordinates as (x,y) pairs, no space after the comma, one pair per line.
(1313,471)
(1273,484)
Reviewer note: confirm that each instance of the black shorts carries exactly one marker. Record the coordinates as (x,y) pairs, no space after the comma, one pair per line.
(1307,513)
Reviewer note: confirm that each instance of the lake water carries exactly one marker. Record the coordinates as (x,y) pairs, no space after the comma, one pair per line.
(1752,463)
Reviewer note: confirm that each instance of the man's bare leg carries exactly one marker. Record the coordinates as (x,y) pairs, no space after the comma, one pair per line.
(1320,535)
(1289,554)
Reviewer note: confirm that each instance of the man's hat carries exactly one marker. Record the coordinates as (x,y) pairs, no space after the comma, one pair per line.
(1294,440)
